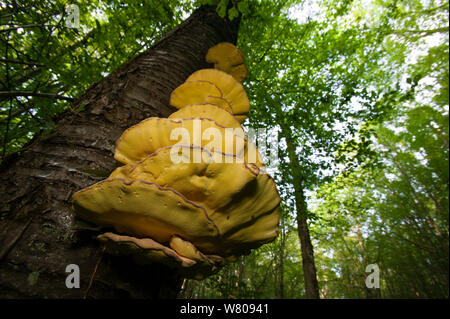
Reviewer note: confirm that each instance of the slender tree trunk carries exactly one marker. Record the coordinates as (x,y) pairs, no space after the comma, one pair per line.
(309,267)
(364,262)
(280,275)
(282,247)
(37,234)
(240,276)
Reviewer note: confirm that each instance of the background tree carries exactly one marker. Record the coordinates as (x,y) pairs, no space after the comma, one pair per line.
(400,206)
(390,206)
(304,84)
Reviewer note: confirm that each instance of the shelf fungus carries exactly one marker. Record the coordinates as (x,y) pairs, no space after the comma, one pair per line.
(192,192)
(228,58)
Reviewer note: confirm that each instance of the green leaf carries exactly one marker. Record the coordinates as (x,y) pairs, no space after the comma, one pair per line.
(233,13)
(222,8)
(242,6)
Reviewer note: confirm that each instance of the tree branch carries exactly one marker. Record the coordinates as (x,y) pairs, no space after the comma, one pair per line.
(427,32)
(23,27)
(38,94)
(19,62)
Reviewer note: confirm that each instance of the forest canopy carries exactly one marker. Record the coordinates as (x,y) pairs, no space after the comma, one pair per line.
(355,92)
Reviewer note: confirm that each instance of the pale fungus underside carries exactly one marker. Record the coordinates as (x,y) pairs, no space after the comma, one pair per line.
(193,193)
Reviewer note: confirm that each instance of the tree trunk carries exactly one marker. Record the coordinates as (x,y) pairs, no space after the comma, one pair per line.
(282,248)
(309,267)
(37,234)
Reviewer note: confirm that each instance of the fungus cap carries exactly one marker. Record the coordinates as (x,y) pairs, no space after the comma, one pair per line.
(154,133)
(197,176)
(239,72)
(229,59)
(145,209)
(209,111)
(231,89)
(251,219)
(193,93)
(225,55)
(219,101)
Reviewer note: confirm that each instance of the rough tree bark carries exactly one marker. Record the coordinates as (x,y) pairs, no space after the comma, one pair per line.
(37,234)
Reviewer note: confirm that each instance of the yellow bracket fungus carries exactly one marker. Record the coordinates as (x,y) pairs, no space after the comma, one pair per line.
(154,133)
(146,251)
(192,193)
(209,111)
(232,90)
(228,58)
